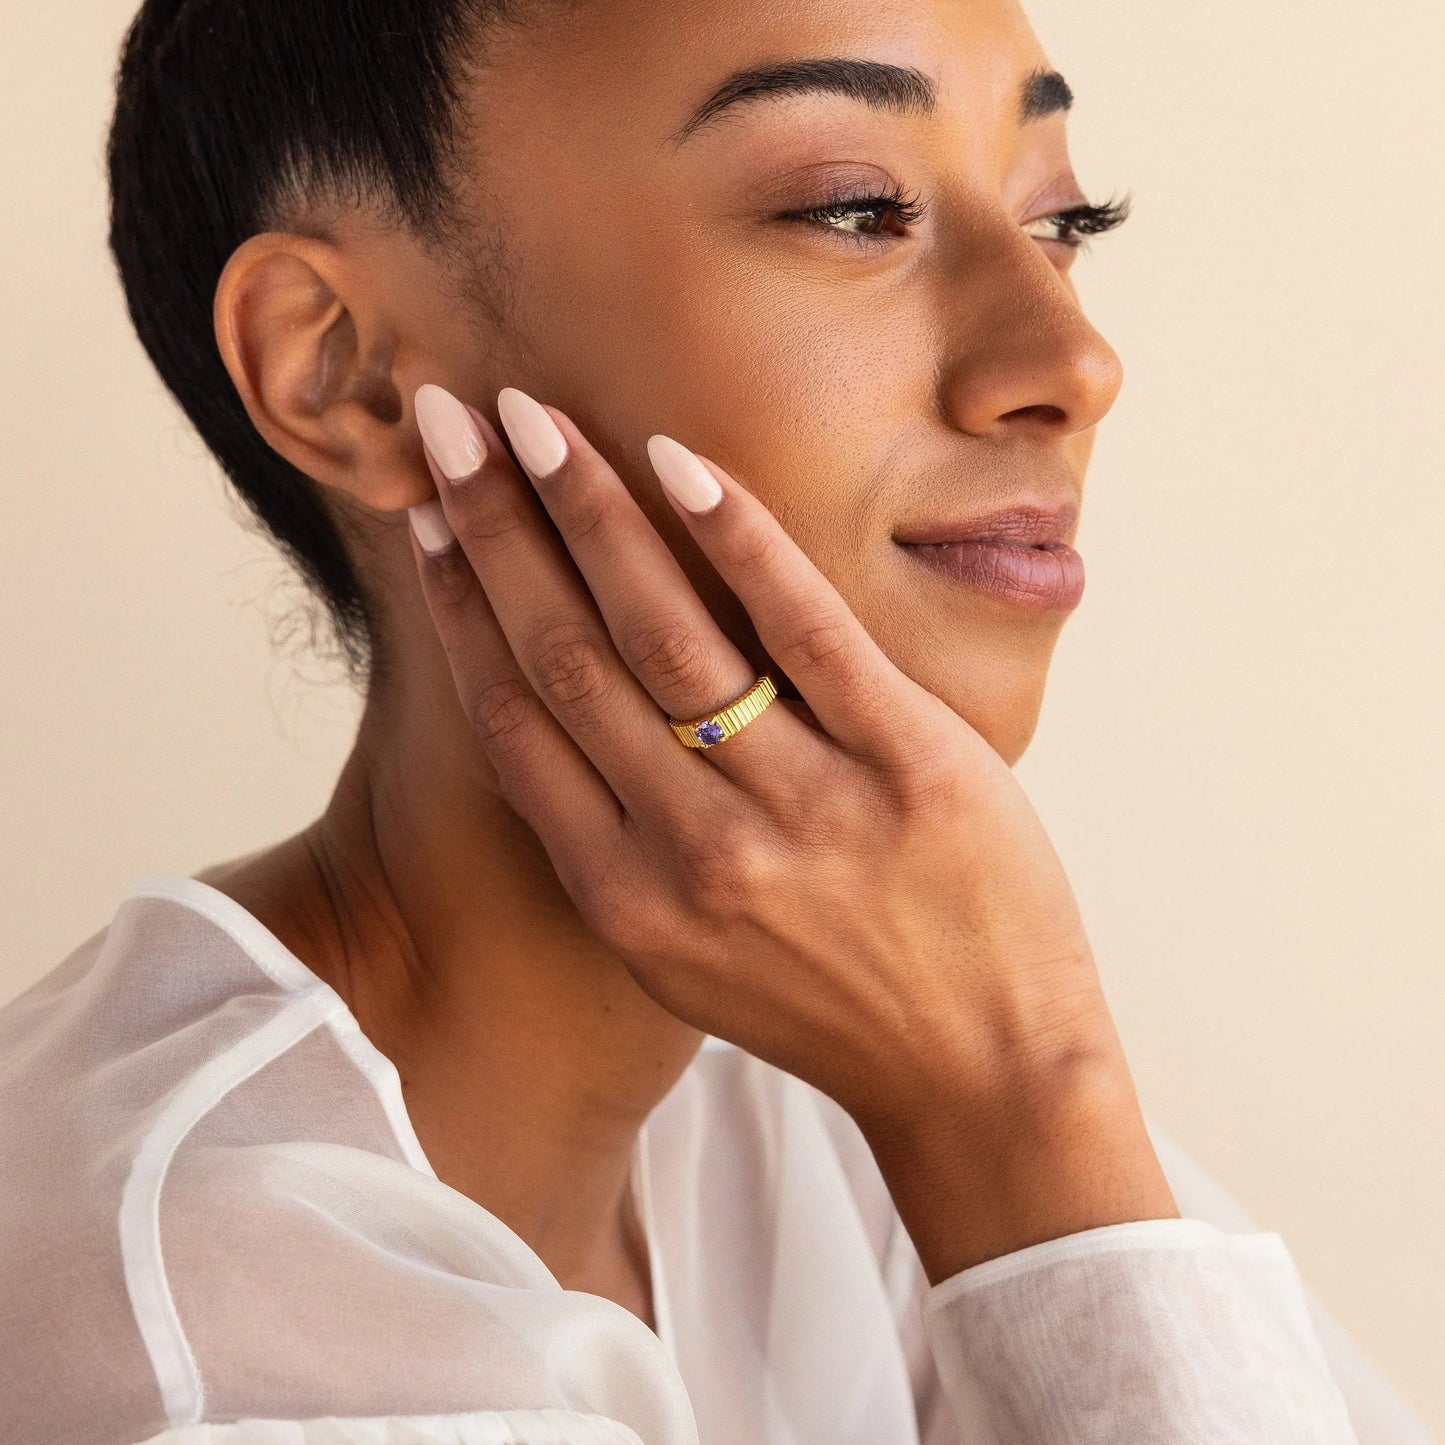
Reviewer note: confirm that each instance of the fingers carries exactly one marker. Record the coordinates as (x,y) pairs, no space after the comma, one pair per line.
(541,771)
(659,625)
(546,619)
(854,690)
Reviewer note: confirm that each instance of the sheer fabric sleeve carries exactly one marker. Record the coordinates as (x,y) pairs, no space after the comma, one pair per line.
(1195,1329)
(488,1427)
(322,1295)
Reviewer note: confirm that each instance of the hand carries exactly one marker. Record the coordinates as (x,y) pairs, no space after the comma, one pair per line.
(853,888)
(857,891)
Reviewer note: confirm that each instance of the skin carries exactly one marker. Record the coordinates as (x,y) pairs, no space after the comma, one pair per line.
(642,287)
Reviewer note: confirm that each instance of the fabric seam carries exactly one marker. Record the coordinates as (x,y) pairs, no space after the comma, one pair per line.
(515,1421)
(287,971)
(142,1256)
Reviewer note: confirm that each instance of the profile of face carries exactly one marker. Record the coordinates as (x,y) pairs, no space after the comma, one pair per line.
(846,292)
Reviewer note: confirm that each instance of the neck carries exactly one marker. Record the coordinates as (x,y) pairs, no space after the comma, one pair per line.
(528,1056)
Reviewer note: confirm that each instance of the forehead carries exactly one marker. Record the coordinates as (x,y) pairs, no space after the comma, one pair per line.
(636,68)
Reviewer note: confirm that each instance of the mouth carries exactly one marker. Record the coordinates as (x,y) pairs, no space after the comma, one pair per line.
(1017,554)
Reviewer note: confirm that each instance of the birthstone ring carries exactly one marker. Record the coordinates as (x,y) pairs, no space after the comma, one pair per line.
(712,728)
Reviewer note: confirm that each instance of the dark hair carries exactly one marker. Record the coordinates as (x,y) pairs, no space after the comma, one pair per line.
(230,115)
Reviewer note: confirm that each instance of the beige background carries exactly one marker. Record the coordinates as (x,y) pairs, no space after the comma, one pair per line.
(1239,757)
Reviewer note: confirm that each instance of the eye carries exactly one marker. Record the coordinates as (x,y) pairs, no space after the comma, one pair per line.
(862,217)
(1071,226)
(859,216)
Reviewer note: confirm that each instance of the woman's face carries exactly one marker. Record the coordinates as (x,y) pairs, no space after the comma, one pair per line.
(862,385)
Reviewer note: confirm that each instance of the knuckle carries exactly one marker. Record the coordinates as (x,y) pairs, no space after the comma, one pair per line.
(589,512)
(923,777)
(756,867)
(570,665)
(732,872)
(748,547)
(502,712)
(668,652)
(823,641)
(489,520)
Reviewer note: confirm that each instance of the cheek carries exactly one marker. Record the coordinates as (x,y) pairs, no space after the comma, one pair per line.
(818,395)
(794,377)
(805,388)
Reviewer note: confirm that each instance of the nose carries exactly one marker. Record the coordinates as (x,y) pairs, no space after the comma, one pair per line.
(1025,358)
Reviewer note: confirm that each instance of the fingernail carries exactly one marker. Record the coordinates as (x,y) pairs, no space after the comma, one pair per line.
(539,444)
(450,434)
(430,524)
(683,474)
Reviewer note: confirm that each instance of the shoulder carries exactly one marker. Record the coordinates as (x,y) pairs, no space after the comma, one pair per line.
(212,1208)
(89,1057)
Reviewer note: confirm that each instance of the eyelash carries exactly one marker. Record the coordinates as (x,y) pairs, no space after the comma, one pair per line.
(1075,223)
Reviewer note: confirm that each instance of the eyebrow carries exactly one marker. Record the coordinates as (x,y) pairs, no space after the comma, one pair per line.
(873,82)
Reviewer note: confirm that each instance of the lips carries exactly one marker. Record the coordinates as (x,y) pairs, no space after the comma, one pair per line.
(1017,553)
(1024,522)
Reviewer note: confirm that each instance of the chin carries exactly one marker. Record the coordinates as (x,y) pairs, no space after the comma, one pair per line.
(1012,745)
(999,696)
(1007,725)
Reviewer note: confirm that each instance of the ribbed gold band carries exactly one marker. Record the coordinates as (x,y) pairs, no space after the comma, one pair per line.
(714,727)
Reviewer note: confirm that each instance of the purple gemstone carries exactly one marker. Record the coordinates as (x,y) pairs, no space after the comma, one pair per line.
(709,732)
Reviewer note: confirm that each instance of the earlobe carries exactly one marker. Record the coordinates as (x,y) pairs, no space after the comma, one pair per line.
(310,352)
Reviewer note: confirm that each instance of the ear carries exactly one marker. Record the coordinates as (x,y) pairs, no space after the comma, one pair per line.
(302,327)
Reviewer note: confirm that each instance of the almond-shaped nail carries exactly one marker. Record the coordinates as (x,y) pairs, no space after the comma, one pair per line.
(430,524)
(683,474)
(538,442)
(450,434)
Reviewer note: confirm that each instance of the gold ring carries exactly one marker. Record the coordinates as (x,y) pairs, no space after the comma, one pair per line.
(711,729)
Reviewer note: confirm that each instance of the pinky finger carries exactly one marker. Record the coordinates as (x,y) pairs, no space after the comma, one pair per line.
(541,772)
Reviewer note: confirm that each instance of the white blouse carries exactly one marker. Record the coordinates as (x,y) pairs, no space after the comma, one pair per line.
(217,1228)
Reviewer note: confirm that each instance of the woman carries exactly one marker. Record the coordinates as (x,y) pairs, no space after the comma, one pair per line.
(678,1026)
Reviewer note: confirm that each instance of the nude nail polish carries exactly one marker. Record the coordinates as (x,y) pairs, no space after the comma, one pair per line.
(683,474)
(450,434)
(430,524)
(539,444)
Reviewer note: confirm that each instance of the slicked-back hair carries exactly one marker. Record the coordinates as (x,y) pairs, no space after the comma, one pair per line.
(229,114)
